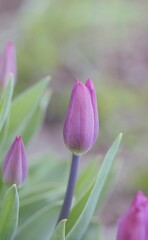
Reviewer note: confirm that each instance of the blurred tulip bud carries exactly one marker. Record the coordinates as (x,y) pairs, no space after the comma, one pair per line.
(134,224)
(7,65)
(81,124)
(15,165)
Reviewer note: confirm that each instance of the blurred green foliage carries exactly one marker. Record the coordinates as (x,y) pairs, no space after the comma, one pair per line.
(98,39)
(106,40)
(34,216)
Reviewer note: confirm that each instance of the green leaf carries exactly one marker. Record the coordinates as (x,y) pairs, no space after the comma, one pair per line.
(49,194)
(39,172)
(59,233)
(93,232)
(39,189)
(83,211)
(36,119)
(30,210)
(107,186)
(23,107)
(86,179)
(9,214)
(40,223)
(5,102)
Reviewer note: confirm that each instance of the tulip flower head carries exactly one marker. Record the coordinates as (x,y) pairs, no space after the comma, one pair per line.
(7,65)
(134,224)
(81,124)
(15,166)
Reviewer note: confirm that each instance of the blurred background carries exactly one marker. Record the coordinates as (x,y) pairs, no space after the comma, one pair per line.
(105,40)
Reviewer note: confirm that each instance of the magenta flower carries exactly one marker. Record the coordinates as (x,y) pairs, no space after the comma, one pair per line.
(134,224)
(7,65)
(81,124)
(15,165)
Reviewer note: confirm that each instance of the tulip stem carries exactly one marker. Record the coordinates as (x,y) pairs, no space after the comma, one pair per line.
(70,188)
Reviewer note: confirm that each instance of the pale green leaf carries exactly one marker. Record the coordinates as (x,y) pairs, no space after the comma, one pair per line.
(40,223)
(36,119)
(49,195)
(24,106)
(83,211)
(86,179)
(5,102)
(93,232)
(55,172)
(59,233)
(9,214)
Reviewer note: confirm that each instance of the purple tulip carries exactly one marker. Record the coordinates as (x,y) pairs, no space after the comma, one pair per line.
(82,124)
(7,65)
(134,224)
(15,165)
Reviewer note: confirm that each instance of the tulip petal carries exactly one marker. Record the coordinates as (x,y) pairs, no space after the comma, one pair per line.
(7,64)
(133,225)
(90,86)
(15,166)
(79,123)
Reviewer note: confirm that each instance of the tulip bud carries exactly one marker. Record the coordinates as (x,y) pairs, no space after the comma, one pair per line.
(134,224)
(81,124)
(7,65)
(15,166)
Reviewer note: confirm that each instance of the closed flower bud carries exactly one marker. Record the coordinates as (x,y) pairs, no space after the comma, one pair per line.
(81,124)
(15,165)
(7,65)
(134,224)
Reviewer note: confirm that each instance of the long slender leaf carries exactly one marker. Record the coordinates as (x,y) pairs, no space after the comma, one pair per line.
(24,106)
(20,115)
(78,223)
(36,118)
(86,179)
(5,102)
(93,232)
(9,214)
(39,224)
(59,233)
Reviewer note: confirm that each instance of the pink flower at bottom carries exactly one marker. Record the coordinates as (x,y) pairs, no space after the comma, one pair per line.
(134,224)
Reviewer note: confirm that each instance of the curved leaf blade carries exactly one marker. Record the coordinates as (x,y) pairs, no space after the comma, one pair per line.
(39,224)
(6,101)
(24,106)
(37,118)
(9,214)
(59,233)
(93,232)
(77,223)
